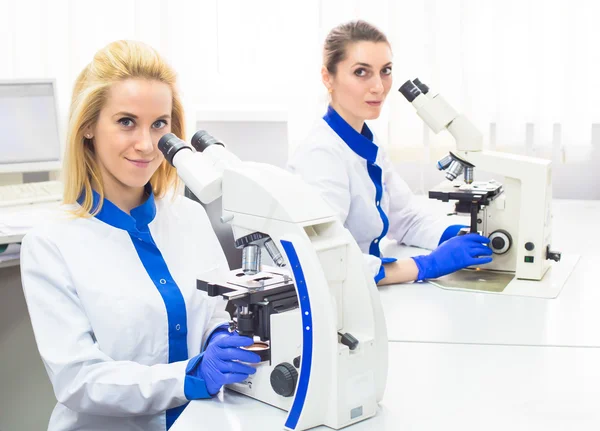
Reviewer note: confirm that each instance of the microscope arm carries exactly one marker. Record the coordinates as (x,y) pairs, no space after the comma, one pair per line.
(522,168)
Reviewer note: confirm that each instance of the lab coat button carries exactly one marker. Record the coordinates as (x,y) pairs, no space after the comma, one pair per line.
(178,327)
(163,281)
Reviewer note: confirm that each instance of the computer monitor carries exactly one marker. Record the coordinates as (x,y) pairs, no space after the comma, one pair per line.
(29,130)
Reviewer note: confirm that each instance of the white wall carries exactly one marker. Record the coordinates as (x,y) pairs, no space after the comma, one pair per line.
(236,53)
(519,69)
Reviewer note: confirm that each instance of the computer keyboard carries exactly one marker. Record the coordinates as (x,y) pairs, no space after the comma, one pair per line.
(30,193)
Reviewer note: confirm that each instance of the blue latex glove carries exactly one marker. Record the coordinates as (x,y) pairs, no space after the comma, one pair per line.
(450,232)
(219,364)
(456,253)
(221,331)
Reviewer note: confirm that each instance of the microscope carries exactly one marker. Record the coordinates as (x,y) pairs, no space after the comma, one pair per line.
(516,216)
(314,314)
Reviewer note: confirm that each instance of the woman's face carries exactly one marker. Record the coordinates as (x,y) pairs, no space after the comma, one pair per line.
(137,113)
(362,81)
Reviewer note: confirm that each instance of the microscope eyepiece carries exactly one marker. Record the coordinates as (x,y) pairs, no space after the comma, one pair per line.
(169,145)
(409,90)
(424,89)
(202,140)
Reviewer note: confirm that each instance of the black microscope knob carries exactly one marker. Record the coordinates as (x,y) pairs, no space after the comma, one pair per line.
(500,241)
(283,379)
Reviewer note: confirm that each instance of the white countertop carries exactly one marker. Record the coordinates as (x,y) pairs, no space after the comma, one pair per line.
(475,361)
(424,313)
(451,387)
(16,221)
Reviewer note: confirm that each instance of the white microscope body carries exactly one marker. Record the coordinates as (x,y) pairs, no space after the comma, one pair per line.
(330,383)
(518,217)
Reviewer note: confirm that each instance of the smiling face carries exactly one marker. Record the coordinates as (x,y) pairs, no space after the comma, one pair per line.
(361,82)
(137,113)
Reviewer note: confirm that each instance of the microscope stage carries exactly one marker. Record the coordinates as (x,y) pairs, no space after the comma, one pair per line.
(253,288)
(482,192)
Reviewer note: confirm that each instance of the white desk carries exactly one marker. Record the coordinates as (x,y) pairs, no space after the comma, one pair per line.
(500,379)
(25,215)
(451,387)
(424,313)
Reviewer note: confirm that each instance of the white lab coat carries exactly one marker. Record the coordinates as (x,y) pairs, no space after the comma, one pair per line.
(104,332)
(326,161)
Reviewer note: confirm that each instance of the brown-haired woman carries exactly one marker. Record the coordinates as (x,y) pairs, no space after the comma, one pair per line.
(343,160)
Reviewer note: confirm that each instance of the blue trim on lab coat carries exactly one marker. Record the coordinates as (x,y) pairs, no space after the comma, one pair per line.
(136,225)
(362,144)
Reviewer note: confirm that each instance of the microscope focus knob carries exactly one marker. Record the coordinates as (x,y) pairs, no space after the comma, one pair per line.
(500,241)
(283,379)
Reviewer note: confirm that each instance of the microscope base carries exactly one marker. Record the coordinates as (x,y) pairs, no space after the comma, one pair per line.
(505,283)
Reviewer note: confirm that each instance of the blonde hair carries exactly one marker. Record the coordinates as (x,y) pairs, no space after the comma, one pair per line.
(116,62)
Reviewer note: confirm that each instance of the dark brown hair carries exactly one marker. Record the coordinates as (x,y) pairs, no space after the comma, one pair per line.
(338,39)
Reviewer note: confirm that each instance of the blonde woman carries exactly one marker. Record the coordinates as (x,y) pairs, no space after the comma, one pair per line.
(126,338)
